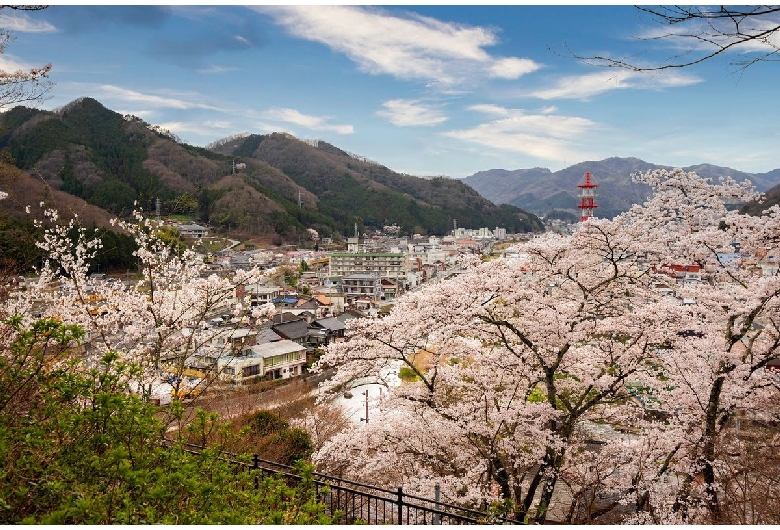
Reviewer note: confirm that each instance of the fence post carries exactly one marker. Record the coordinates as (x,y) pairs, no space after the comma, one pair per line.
(400,504)
(436,497)
(256,466)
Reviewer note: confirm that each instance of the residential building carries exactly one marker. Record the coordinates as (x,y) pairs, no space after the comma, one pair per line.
(361,286)
(382,264)
(193,230)
(271,360)
(258,294)
(240,260)
(296,331)
(334,328)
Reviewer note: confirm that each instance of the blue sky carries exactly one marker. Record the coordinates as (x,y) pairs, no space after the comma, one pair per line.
(425,90)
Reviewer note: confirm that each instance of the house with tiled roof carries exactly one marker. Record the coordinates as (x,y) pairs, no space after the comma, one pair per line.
(271,360)
(334,327)
(296,331)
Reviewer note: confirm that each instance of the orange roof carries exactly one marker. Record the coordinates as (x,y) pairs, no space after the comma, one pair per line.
(322,299)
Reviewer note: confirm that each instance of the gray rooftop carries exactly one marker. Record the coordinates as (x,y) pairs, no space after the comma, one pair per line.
(272,349)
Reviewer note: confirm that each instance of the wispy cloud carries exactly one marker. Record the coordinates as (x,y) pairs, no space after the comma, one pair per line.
(9,63)
(410,112)
(23,23)
(123,94)
(588,85)
(412,47)
(203,129)
(218,124)
(143,114)
(487,108)
(217,69)
(315,123)
(544,135)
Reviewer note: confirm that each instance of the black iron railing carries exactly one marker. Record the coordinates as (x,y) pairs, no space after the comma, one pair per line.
(355,502)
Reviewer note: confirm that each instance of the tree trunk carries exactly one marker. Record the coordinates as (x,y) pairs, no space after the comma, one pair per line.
(708,451)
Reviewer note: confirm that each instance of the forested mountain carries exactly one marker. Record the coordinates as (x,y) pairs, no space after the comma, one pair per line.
(541,191)
(251,187)
(352,190)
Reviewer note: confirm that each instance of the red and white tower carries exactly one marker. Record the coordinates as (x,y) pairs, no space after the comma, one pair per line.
(587,197)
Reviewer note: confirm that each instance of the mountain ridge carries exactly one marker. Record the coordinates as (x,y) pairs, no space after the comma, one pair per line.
(542,191)
(268,186)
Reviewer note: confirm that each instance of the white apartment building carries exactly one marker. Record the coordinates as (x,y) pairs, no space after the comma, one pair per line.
(362,286)
(380,264)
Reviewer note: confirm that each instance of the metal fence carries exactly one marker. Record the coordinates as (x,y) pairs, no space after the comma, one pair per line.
(355,502)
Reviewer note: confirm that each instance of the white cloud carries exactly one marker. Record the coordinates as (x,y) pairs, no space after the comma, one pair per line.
(22,23)
(124,94)
(585,86)
(410,112)
(315,123)
(485,108)
(9,63)
(414,47)
(512,67)
(546,135)
(143,114)
(201,129)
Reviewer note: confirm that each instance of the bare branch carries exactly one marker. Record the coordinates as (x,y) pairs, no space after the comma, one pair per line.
(22,86)
(707,32)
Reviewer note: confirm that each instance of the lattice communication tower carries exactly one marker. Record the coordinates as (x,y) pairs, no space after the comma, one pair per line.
(587,197)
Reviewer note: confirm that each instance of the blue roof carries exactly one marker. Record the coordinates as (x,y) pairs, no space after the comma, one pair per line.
(284,301)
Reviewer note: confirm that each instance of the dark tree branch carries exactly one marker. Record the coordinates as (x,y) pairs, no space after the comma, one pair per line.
(711,31)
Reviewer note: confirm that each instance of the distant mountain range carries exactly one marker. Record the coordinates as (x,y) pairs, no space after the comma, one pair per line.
(270,187)
(542,191)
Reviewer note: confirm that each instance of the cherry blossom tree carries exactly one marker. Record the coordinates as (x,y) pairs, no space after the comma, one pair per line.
(716,359)
(571,377)
(156,323)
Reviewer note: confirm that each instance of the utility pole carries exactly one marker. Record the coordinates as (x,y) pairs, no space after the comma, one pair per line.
(366,418)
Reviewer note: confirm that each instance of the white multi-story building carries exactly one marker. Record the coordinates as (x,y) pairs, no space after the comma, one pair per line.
(380,264)
(362,286)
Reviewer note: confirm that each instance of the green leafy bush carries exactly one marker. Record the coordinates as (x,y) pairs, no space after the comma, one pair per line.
(76,448)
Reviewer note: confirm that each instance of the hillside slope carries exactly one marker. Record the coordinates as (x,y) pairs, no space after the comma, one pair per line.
(771,198)
(354,191)
(18,233)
